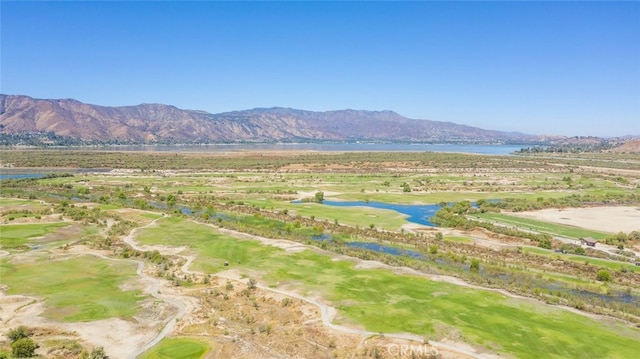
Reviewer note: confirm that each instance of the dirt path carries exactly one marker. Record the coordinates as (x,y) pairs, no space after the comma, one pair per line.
(328,313)
(367,264)
(176,301)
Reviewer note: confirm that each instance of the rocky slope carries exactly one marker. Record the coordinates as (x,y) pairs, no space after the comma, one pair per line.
(69,118)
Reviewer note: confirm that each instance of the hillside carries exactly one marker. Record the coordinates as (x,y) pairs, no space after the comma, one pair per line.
(631,146)
(149,123)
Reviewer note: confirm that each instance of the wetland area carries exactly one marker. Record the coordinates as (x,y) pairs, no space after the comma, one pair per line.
(308,253)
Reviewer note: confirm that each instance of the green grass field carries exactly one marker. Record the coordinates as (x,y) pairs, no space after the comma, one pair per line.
(177,348)
(540,226)
(5,202)
(615,265)
(75,290)
(385,302)
(442,196)
(18,235)
(458,239)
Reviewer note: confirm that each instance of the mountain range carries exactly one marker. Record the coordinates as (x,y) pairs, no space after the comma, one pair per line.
(72,120)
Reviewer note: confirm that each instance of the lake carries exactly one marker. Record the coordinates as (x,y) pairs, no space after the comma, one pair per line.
(320,147)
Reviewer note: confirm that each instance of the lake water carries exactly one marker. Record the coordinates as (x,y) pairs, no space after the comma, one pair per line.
(20,175)
(419,213)
(320,147)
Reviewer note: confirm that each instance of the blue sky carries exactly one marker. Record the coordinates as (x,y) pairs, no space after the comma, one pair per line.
(570,68)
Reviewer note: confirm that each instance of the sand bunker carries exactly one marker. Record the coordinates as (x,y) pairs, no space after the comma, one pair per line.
(606,219)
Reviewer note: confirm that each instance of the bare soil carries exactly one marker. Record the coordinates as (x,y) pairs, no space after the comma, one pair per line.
(605,219)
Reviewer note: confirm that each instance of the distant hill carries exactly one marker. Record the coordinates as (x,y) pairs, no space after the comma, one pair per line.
(631,146)
(70,120)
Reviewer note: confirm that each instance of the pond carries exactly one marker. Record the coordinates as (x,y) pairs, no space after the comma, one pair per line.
(20,175)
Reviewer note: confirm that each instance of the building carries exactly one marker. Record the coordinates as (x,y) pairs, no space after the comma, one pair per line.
(588,241)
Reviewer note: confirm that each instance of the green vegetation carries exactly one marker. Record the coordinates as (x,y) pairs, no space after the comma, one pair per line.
(85,281)
(610,264)
(22,346)
(177,348)
(603,275)
(17,236)
(458,239)
(253,194)
(539,226)
(354,216)
(456,216)
(385,302)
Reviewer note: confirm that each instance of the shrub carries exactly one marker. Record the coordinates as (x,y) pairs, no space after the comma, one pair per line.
(475,264)
(18,333)
(603,275)
(23,348)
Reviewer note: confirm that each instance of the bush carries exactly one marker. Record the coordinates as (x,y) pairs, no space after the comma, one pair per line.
(475,264)
(603,275)
(98,353)
(23,348)
(18,333)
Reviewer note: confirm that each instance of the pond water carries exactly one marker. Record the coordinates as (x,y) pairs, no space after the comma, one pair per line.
(386,249)
(20,175)
(419,213)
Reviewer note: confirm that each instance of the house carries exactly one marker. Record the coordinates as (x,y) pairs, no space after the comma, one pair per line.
(588,241)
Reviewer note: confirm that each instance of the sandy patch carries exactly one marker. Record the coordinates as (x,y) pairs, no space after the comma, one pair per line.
(606,219)
(118,336)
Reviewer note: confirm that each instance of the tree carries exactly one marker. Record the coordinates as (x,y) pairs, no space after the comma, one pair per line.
(23,348)
(544,243)
(319,197)
(439,236)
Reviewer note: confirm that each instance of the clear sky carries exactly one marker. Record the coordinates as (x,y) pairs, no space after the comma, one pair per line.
(570,68)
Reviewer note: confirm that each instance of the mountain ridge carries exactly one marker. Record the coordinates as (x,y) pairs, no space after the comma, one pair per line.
(161,123)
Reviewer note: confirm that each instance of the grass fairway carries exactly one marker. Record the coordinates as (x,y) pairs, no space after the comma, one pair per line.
(76,290)
(177,348)
(213,248)
(353,216)
(540,226)
(17,235)
(5,201)
(459,239)
(382,301)
(611,264)
(441,196)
